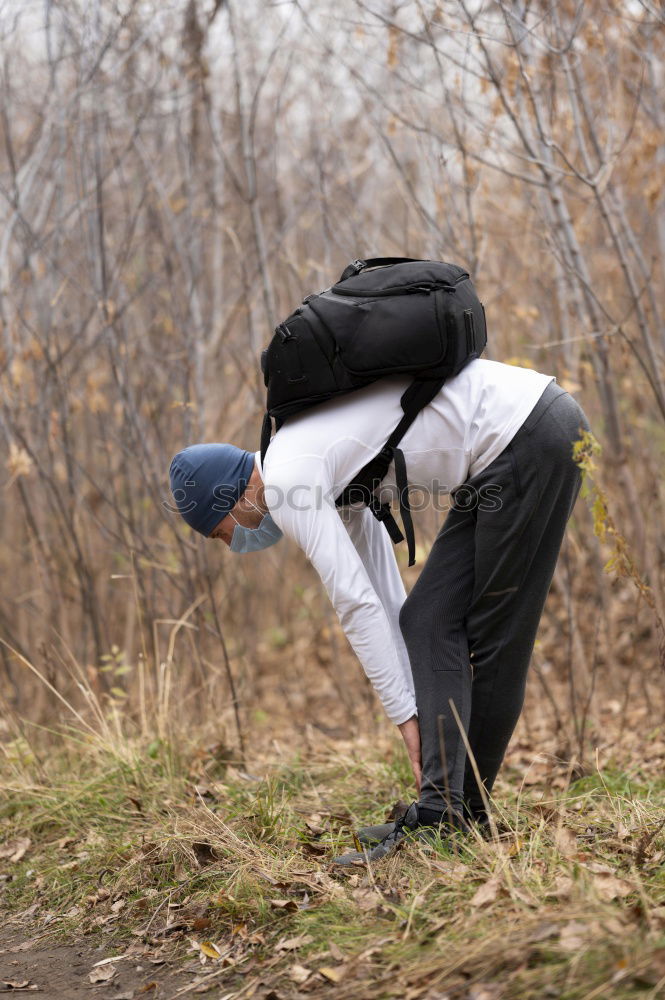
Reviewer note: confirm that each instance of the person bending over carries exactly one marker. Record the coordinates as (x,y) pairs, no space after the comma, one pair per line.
(455,653)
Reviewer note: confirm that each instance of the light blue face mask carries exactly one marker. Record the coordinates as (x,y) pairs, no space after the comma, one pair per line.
(252,539)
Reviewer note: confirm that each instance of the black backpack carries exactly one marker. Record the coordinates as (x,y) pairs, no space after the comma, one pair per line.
(385,316)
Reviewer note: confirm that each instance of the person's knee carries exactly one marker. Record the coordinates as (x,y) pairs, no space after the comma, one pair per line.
(421,618)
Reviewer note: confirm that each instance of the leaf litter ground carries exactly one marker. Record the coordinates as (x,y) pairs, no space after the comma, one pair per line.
(173,873)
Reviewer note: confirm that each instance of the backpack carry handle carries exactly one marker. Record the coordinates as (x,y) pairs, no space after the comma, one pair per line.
(359,265)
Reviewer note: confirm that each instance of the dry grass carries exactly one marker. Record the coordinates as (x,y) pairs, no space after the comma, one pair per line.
(173,851)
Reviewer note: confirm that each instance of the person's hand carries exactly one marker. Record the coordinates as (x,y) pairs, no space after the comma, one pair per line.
(410,731)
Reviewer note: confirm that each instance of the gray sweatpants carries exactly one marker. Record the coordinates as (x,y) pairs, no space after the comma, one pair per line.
(470,621)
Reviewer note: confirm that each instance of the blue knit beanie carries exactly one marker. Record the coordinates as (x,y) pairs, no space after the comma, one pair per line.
(207,480)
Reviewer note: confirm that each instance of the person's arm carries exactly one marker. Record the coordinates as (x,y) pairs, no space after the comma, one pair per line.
(308,515)
(377,552)
(410,731)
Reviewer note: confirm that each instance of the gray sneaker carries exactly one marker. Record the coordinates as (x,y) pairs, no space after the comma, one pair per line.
(407,827)
(401,829)
(371,835)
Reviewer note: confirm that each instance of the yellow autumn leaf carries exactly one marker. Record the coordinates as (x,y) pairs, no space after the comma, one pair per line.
(209,949)
(332,975)
(515,847)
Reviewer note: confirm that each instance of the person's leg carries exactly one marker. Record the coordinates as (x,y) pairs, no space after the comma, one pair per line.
(516,550)
(486,578)
(432,623)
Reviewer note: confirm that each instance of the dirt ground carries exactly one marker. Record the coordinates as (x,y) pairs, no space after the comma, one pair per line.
(32,961)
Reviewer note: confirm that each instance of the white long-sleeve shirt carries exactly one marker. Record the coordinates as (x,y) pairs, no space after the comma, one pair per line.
(315,455)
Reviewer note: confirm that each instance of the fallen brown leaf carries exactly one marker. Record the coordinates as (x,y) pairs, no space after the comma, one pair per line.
(565,841)
(610,887)
(598,866)
(485,991)
(24,946)
(543,931)
(102,973)
(109,961)
(614,926)
(290,944)
(314,828)
(367,899)
(336,952)
(451,870)
(486,893)
(562,889)
(575,934)
(299,974)
(536,775)
(289,905)
(315,849)
(15,850)
(525,897)
(324,881)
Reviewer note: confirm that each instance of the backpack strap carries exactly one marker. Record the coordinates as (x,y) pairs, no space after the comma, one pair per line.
(417,396)
(359,265)
(404,506)
(266,432)
(414,399)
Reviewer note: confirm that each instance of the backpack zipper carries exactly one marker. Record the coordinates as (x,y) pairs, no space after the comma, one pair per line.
(423,286)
